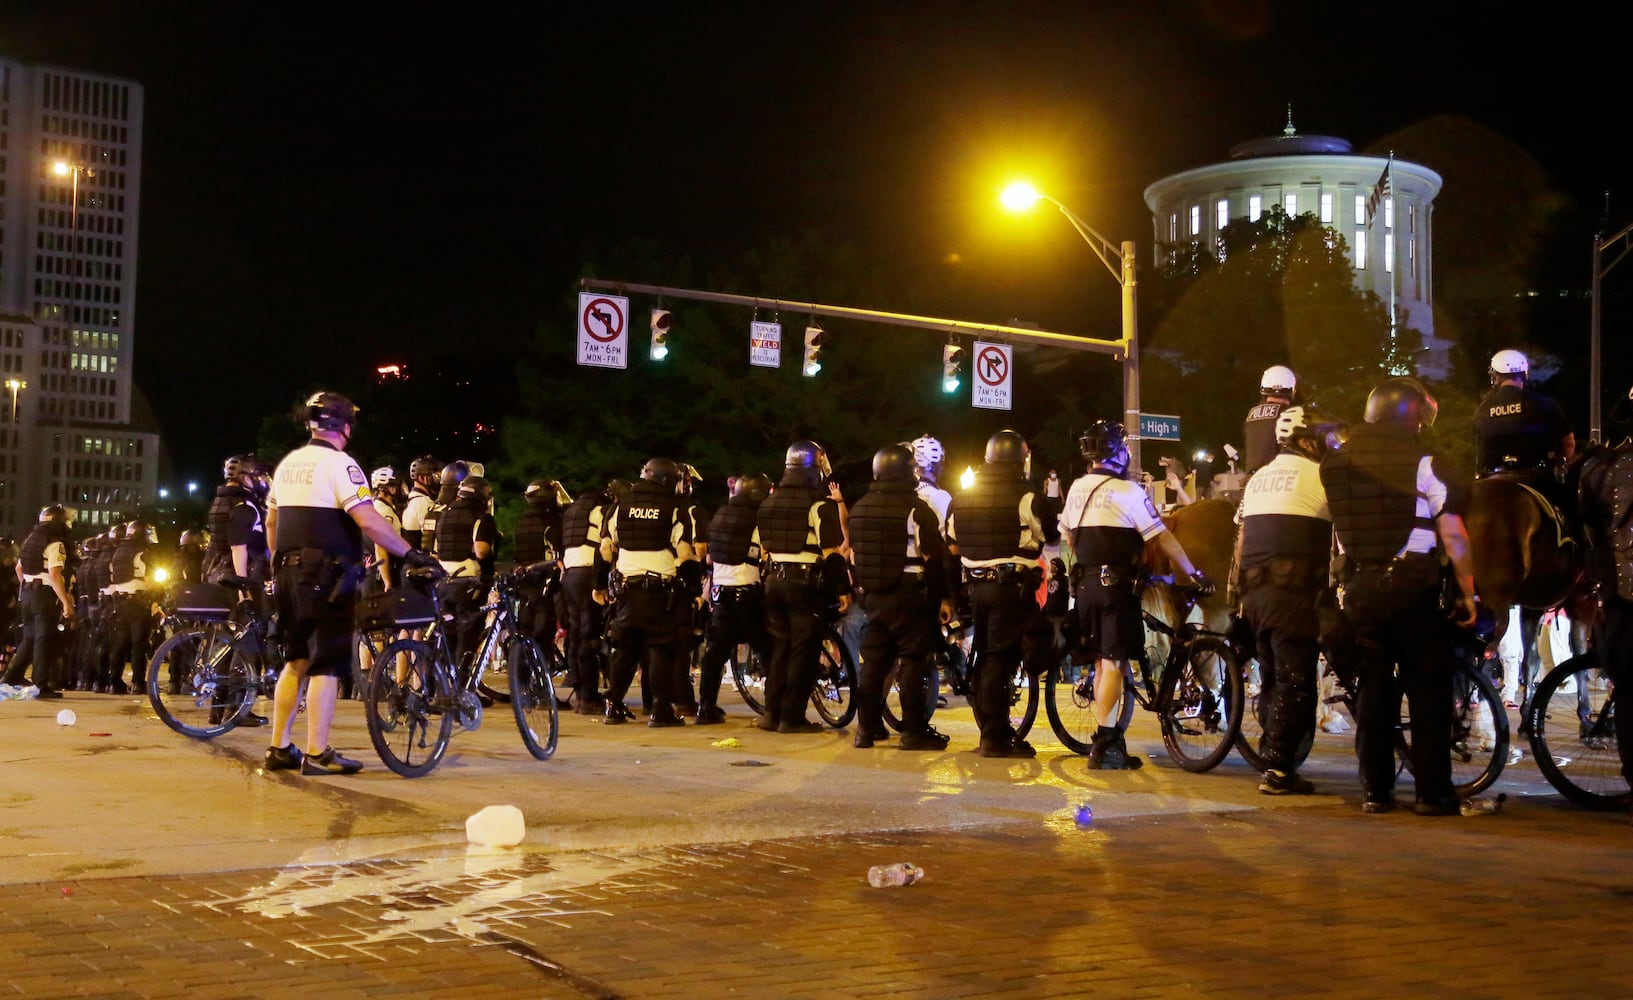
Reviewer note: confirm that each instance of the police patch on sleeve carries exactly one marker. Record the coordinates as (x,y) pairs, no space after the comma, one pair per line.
(1150,508)
(364,494)
(356,476)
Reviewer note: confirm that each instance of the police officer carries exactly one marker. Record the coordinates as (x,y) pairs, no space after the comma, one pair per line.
(801,535)
(449,479)
(998,527)
(1107,520)
(425,473)
(536,552)
(648,543)
(195,542)
(899,558)
(1517,429)
(736,591)
(928,456)
(583,596)
(319,510)
(690,623)
(1276,388)
(1606,489)
(97,572)
(43,595)
(1394,505)
(237,522)
(130,581)
(1283,549)
(385,574)
(466,540)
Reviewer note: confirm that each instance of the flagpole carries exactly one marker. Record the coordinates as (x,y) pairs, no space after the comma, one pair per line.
(1394,260)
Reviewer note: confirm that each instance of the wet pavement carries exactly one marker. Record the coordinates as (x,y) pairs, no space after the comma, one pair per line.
(137,863)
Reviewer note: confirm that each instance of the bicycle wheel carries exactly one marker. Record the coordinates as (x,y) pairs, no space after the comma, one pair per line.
(1573,735)
(927,692)
(748,675)
(1200,705)
(409,730)
(1023,691)
(1069,698)
(835,694)
(198,685)
(555,658)
(1479,736)
(1250,720)
(533,698)
(495,680)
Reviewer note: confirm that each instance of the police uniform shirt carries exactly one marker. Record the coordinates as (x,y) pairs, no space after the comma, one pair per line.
(1515,424)
(138,575)
(414,511)
(823,531)
(247,527)
(486,529)
(314,490)
(581,556)
(659,563)
(938,499)
(729,574)
(1099,507)
(1030,535)
(54,557)
(388,512)
(1287,494)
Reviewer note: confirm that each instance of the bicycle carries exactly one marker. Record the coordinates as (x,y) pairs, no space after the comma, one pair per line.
(835,695)
(952,664)
(203,680)
(1579,754)
(417,693)
(1196,693)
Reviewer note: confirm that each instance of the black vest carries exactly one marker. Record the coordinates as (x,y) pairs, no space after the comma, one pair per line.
(1606,486)
(1259,435)
(226,498)
(533,533)
(123,567)
(988,517)
(32,556)
(879,533)
(731,533)
(646,518)
(455,529)
(1372,491)
(99,570)
(785,520)
(575,521)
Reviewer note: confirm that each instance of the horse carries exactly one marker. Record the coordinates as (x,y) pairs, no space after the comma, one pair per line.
(1524,556)
(1206,530)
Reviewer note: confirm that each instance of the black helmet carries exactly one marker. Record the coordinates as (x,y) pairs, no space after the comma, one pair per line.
(541,491)
(195,536)
(617,488)
(1008,447)
(892,463)
(1106,443)
(1403,402)
(56,514)
(240,465)
(754,484)
(475,486)
(662,471)
(424,466)
(807,455)
(454,473)
(329,411)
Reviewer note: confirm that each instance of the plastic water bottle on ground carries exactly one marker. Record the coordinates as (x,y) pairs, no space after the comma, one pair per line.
(496,826)
(1480,807)
(900,873)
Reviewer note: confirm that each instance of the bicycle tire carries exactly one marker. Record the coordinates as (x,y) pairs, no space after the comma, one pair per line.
(1573,735)
(1023,693)
(560,674)
(1069,699)
(1250,720)
(891,713)
(402,715)
(1200,704)
(835,694)
(533,697)
(193,697)
(748,676)
(1480,733)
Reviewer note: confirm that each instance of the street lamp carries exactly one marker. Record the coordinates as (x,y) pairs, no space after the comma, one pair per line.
(74,171)
(1020,197)
(15,384)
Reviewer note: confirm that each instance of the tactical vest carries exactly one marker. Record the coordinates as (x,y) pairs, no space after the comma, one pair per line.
(987,518)
(99,570)
(1372,490)
(1259,435)
(455,529)
(575,521)
(123,567)
(879,534)
(1607,484)
(428,528)
(785,521)
(226,498)
(731,533)
(646,518)
(32,556)
(532,541)
(1511,428)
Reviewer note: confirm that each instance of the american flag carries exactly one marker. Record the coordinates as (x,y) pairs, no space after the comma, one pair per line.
(1380,191)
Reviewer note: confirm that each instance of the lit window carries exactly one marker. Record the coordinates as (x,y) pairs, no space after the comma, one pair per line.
(1360,210)
(1221,214)
(1255,208)
(1173,228)
(1361,249)
(1389,212)
(1290,203)
(1389,255)
(1196,220)
(1326,208)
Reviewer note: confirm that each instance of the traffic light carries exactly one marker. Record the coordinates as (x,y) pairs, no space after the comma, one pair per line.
(952,367)
(661,321)
(814,339)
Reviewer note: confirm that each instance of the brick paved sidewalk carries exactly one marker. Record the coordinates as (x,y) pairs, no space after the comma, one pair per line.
(1318,902)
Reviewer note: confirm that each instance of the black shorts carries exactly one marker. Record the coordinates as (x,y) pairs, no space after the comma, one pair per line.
(1109,623)
(313,628)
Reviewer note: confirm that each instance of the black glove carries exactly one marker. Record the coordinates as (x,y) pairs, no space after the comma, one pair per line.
(1204,586)
(420,559)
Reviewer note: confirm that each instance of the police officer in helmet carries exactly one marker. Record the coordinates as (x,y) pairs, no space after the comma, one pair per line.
(449,479)
(736,591)
(467,538)
(42,569)
(1276,389)
(1606,488)
(899,558)
(584,574)
(801,534)
(1522,431)
(425,473)
(1395,507)
(537,544)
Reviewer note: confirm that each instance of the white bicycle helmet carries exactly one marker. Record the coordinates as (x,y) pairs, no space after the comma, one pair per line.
(1506,364)
(927,456)
(383,475)
(1278,380)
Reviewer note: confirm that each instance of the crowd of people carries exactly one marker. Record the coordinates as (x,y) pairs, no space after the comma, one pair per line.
(1350,545)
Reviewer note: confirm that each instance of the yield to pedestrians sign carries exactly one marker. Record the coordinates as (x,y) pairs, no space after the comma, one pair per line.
(603,330)
(765,344)
(993,387)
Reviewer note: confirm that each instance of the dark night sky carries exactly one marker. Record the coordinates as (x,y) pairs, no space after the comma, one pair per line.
(328,183)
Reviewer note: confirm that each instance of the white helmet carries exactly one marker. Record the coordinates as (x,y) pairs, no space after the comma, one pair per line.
(927,456)
(383,475)
(1278,380)
(1506,364)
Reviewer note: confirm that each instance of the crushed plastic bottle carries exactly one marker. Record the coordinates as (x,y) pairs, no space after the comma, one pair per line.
(1480,807)
(888,876)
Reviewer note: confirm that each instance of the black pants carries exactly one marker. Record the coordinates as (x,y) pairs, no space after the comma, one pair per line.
(1403,645)
(643,632)
(1613,641)
(900,624)
(737,616)
(583,623)
(1285,636)
(42,642)
(1009,628)
(796,616)
(131,622)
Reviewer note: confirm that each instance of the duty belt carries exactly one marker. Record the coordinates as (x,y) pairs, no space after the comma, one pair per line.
(794,570)
(1006,573)
(646,581)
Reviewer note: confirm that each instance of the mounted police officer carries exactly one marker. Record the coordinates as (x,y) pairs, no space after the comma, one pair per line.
(998,528)
(584,575)
(1519,430)
(1276,388)
(1394,507)
(1107,520)
(43,595)
(424,471)
(1283,550)
(899,559)
(318,513)
(647,541)
(801,534)
(1606,489)
(736,593)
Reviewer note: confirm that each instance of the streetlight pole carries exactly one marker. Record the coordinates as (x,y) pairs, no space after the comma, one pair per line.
(1596,356)
(72,170)
(1119,260)
(15,384)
